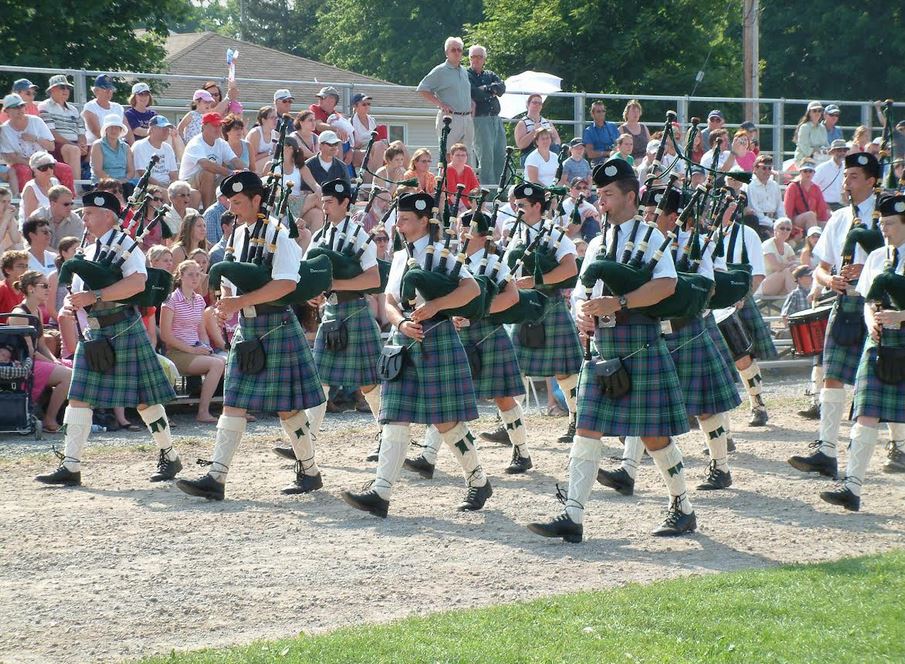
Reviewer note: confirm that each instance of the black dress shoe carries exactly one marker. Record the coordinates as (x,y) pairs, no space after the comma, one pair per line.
(303,483)
(759,417)
(895,459)
(562,526)
(570,432)
(367,501)
(475,498)
(676,522)
(519,464)
(498,435)
(62,476)
(842,496)
(374,454)
(812,412)
(421,466)
(166,469)
(618,479)
(204,487)
(285,452)
(818,462)
(716,479)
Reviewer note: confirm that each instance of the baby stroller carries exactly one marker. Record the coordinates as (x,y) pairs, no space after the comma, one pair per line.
(17,378)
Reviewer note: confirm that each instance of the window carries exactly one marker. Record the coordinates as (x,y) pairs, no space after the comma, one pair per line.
(398,132)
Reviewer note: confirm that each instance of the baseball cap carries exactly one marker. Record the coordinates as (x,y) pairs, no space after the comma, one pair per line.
(576,141)
(814,230)
(13,101)
(832,109)
(282,93)
(328,137)
(212,119)
(104,82)
(814,106)
(160,121)
(203,95)
(360,98)
(806,165)
(801,271)
(138,88)
(716,113)
(838,144)
(41,158)
(653,146)
(23,84)
(328,90)
(748,126)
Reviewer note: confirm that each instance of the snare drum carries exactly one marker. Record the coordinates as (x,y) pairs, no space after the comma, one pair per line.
(733,331)
(808,330)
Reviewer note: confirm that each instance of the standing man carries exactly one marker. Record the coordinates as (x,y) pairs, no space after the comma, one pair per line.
(830,174)
(600,136)
(447,87)
(125,373)
(490,137)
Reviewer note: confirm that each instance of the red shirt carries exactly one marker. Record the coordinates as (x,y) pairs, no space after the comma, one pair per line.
(9,299)
(466,177)
(319,114)
(798,201)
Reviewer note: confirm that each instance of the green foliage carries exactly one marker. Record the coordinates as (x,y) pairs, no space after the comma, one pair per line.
(848,611)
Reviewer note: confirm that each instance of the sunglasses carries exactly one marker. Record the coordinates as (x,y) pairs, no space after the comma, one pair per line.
(381,239)
(45,167)
(157,200)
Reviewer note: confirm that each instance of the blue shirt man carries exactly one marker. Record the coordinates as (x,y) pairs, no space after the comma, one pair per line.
(599,137)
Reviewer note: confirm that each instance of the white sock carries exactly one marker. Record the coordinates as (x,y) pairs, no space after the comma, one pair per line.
(632,451)
(860,449)
(432,443)
(897,433)
(584,460)
(717,442)
(155,417)
(832,407)
(373,400)
(569,387)
(297,429)
(229,433)
(461,441)
(515,427)
(316,414)
(394,443)
(816,378)
(753,383)
(78,427)
(669,463)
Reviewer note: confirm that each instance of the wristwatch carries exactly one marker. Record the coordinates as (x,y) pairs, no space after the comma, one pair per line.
(97,295)
(623,303)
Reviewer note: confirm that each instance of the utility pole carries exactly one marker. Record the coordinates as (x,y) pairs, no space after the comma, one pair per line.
(751,37)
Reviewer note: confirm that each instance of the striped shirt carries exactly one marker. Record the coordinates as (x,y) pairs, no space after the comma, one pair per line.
(65,121)
(186,316)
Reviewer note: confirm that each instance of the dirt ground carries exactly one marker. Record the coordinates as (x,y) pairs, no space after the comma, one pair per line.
(120,568)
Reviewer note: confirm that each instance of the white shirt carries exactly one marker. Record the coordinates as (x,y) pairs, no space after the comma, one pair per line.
(705,268)
(419,251)
(220,153)
(355,234)
(362,134)
(829,246)
(586,209)
(505,219)
(43,201)
(546,170)
(11,140)
(765,200)
(526,234)
(135,263)
(828,176)
(876,264)
(707,159)
(474,265)
(753,245)
(100,113)
(46,266)
(287,256)
(142,151)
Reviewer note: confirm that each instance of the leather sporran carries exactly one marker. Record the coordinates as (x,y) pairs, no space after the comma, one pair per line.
(336,335)
(99,355)
(250,356)
(475,361)
(532,335)
(392,359)
(890,365)
(848,328)
(612,377)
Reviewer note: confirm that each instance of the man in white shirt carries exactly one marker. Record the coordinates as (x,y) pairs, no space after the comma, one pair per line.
(166,170)
(764,195)
(208,159)
(94,112)
(830,174)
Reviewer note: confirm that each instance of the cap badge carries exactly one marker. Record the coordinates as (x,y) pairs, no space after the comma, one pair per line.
(900,206)
(610,171)
(420,205)
(237,187)
(98,200)
(862,160)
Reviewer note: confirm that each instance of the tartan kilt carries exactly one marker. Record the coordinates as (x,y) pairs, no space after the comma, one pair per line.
(873,398)
(841,362)
(137,377)
(561,354)
(356,366)
(435,383)
(500,375)
(706,381)
(654,406)
(719,342)
(758,330)
(289,381)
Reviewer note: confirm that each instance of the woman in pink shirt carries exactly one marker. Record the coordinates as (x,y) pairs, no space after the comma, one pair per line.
(741,148)
(804,201)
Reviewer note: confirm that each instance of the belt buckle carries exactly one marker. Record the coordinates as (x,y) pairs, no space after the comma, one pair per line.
(93,323)
(665,327)
(249,311)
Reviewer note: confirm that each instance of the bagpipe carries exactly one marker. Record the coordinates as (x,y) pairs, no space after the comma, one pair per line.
(861,235)
(734,284)
(888,287)
(134,216)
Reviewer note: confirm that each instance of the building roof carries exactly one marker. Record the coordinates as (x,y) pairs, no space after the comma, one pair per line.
(204,54)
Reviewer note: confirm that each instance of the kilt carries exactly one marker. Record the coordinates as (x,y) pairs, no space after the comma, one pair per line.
(435,383)
(758,330)
(136,377)
(561,354)
(719,342)
(356,366)
(500,375)
(654,406)
(706,381)
(873,398)
(841,362)
(289,381)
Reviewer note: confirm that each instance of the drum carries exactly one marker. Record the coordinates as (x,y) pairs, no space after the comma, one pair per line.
(733,331)
(808,330)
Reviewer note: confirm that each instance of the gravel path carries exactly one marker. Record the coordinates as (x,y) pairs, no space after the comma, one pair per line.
(119,568)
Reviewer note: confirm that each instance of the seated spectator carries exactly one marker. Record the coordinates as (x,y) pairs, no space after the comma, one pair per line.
(96,110)
(154,235)
(799,298)
(589,216)
(631,125)
(764,196)
(225,223)
(726,158)
(302,202)
(259,138)
(182,330)
(114,187)
(325,166)
(419,168)
(542,164)
(829,175)
(111,156)
(624,146)
(810,241)
(161,258)
(138,115)
(10,237)
(227,105)
(600,136)
(65,123)
(48,370)
(37,237)
(36,190)
(22,136)
(233,131)
(860,139)
(9,178)
(63,221)
(392,171)
(378,200)
(697,148)
(208,159)
(327,101)
(741,148)
(779,260)
(715,120)
(13,263)
(166,170)
(362,126)
(459,172)
(203,259)
(27,91)
(305,124)
(190,125)
(192,235)
(576,166)
(282,104)
(66,249)
(526,129)
(212,219)
(804,202)
(180,195)
(810,136)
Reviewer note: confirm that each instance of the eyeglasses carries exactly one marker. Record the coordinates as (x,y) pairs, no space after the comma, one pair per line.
(381,239)
(45,167)
(157,200)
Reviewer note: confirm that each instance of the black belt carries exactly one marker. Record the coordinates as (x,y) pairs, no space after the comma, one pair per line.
(263,309)
(461,112)
(632,318)
(112,319)
(347,296)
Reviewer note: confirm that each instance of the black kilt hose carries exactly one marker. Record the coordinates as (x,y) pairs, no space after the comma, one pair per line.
(136,378)
(561,354)
(757,328)
(289,381)
(499,375)
(654,406)
(874,398)
(435,383)
(707,383)
(356,366)
(719,342)
(841,362)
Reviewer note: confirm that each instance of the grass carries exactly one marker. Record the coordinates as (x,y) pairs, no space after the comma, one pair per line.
(847,611)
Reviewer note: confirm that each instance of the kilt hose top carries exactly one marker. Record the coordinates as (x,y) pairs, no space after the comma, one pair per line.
(136,378)
(654,406)
(356,365)
(707,383)
(435,383)
(561,354)
(841,362)
(499,375)
(758,330)
(289,381)
(874,398)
